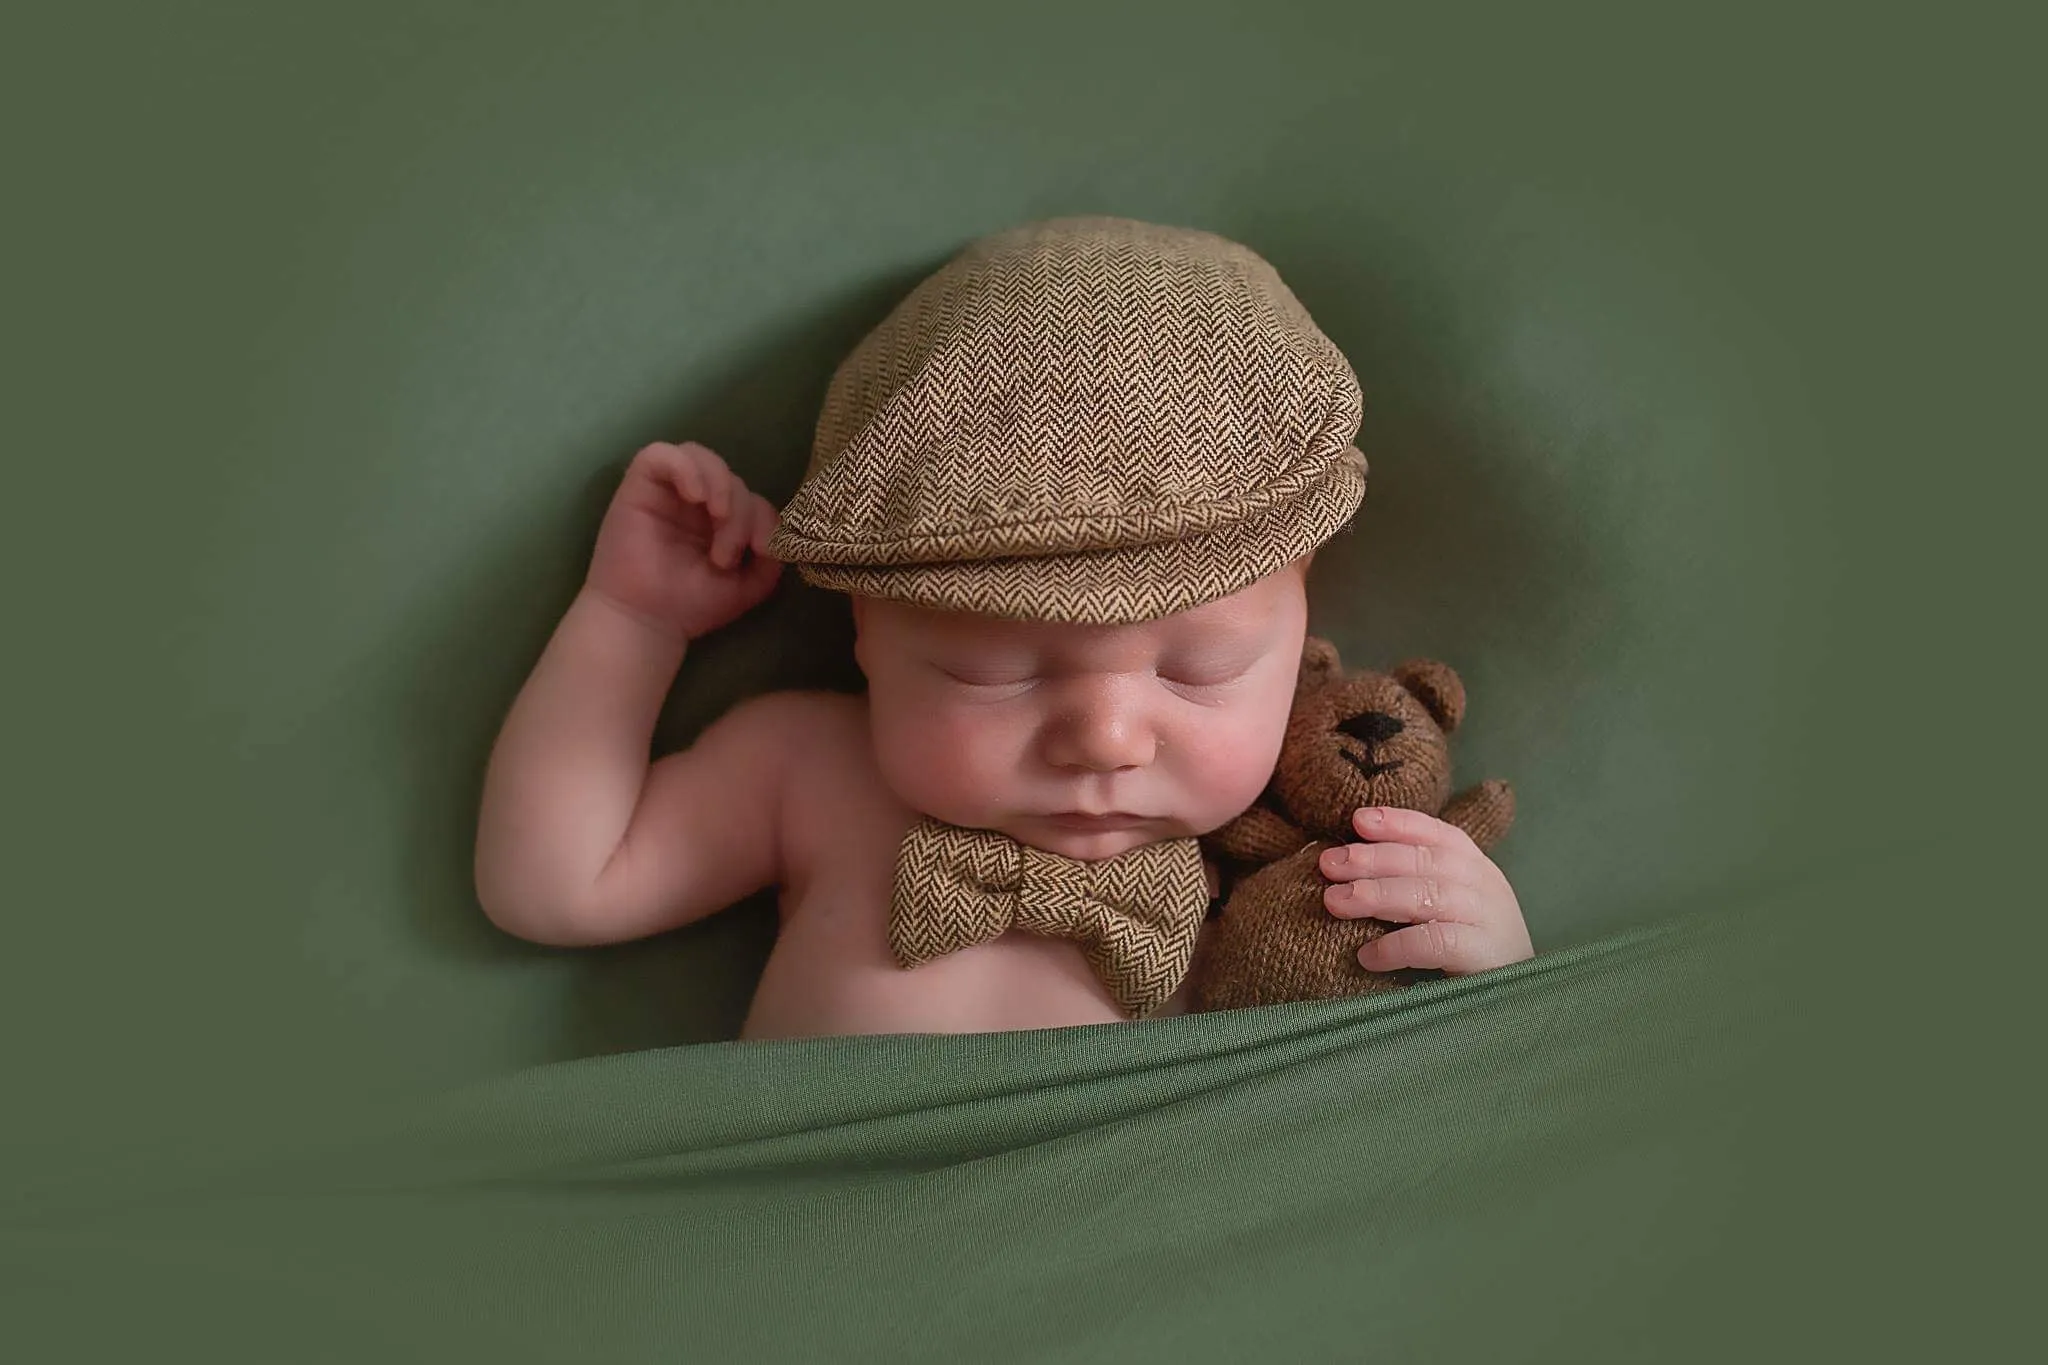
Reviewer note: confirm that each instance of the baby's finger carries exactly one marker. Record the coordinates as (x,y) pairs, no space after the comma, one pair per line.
(1402,826)
(714,477)
(684,476)
(764,524)
(1404,900)
(704,455)
(760,573)
(1439,945)
(729,536)
(1352,862)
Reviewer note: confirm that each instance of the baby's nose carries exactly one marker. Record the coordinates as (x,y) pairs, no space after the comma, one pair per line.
(1103,731)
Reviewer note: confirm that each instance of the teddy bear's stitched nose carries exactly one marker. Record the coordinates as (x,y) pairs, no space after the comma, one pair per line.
(1371,726)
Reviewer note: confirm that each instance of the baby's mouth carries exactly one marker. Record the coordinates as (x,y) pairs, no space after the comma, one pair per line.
(1082,822)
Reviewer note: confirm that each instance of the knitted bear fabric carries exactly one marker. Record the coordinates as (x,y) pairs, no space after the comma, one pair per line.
(1358,738)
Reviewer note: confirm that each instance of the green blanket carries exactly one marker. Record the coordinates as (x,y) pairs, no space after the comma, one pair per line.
(1699,345)
(1542,1162)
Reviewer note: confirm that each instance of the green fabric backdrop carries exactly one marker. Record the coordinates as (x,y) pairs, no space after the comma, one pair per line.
(1502,1168)
(332,325)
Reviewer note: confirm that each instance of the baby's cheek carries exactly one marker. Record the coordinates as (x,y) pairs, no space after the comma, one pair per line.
(940,762)
(1233,760)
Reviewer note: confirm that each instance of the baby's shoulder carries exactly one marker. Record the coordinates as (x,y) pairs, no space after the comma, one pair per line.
(815,737)
(814,712)
(803,722)
(832,803)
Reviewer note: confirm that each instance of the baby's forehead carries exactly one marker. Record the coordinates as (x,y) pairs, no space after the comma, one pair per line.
(1217,628)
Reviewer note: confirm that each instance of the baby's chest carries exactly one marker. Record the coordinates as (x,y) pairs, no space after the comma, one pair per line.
(832,970)
(841,836)
(840,840)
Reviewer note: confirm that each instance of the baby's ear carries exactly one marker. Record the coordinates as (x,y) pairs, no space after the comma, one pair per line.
(860,636)
(1437,686)
(1319,663)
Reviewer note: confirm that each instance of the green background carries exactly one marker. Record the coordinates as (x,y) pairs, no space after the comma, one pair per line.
(1695,346)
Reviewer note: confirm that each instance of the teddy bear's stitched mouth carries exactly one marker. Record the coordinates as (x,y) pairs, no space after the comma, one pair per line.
(1366,764)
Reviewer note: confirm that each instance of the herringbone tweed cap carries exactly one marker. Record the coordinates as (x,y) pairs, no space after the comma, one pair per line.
(1084,419)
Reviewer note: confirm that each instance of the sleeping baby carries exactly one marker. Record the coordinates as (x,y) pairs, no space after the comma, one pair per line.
(1071,486)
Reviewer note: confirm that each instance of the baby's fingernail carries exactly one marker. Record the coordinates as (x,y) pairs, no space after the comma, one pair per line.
(1369,816)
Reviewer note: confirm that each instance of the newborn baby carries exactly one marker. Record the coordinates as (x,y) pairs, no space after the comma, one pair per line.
(1072,486)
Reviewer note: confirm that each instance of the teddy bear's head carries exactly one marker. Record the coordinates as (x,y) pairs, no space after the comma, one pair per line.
(1366,739)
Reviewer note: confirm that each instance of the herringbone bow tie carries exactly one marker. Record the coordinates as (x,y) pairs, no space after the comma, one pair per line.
(1135,916)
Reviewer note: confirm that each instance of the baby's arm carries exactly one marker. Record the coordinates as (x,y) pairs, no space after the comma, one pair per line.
(580,839)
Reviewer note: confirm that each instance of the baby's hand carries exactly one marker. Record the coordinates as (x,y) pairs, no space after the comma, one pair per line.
(684,544)
(1420,871)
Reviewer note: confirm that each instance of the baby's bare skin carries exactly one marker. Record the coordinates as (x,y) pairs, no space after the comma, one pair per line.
(1086,741)
(831,971)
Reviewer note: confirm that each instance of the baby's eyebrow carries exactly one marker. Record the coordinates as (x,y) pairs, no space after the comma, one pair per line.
(1234,660)
(1233,644)
(1238,639)
(990,656)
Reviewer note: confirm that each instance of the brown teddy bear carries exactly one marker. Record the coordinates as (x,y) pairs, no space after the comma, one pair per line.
(1354,739)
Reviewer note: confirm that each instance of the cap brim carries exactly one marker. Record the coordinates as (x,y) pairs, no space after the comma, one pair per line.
(1121,586)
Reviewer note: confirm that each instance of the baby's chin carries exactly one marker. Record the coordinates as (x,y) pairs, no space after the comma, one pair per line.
(1088,845)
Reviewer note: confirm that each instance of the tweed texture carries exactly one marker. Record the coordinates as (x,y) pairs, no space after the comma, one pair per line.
(1135,916)
(1084,420)
(1354,738)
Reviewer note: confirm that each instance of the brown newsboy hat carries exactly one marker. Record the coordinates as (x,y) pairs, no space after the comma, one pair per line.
(1085,420)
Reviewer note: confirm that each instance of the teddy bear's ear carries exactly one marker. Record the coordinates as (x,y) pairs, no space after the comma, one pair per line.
(1437,687)
(1319,663)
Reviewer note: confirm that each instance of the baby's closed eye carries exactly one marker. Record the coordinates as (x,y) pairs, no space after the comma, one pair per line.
(1205,672)
(992,677)
(1200,677)
(1190,678)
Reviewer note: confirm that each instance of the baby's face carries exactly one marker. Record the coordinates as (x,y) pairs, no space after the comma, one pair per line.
(1084,740)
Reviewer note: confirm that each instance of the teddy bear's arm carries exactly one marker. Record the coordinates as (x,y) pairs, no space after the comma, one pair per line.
(1260,835)
(1484,812)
